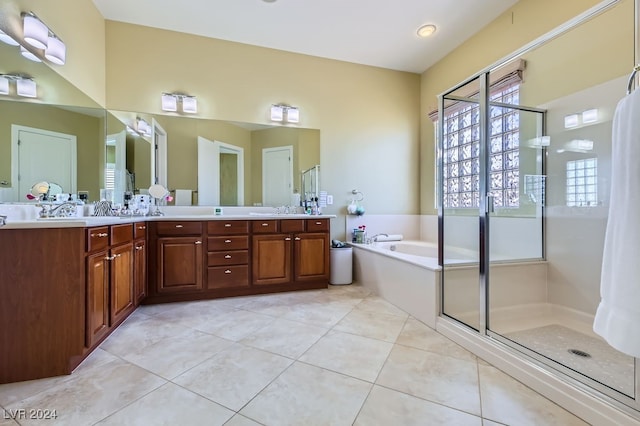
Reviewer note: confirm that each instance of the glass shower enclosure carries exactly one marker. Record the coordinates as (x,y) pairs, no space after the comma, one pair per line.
(524,167)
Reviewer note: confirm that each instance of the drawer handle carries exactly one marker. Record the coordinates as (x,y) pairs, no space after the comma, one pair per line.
(139,248)
(227,241)
(298,238)
(287,239)
(142,227)
(109,258)
(198,242)
(318,223)
(227,225)
(99,235)
(179,226)
(265,224)
(228,256)
(228,271)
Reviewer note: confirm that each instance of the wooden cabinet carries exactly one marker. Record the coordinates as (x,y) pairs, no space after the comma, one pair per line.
(176,258)
(228,254)
(109,279)
(139,262)
(293,255)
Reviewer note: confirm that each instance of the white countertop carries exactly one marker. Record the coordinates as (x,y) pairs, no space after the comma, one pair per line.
(89,221)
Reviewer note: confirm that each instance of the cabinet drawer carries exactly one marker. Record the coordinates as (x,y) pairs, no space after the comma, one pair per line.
(315,225)
(179,228)
(228,227)
(97,238)
(228,276)
(121,233)
(235,257)
(139,230)
(235,242)
(292,225)
(264,226)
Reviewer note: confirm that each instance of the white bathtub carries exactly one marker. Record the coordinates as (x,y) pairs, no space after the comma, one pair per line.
(406,273)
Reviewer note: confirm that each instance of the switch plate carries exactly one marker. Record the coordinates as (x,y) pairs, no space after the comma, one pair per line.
(329,199)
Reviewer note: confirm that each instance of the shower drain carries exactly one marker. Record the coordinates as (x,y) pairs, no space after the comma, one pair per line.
(579,353)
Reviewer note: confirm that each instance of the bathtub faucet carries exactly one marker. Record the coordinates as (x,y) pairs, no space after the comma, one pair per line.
(375,237)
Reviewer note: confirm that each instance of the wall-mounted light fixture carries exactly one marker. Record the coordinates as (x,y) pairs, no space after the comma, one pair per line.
(189,104)
(285,113)
(38,41)
(143,127)
(25,86)
(585,117)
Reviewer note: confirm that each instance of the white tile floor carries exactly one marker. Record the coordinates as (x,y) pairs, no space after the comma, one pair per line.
(329,357)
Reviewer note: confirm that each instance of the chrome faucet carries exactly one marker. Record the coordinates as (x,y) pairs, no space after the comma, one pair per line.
(3,220)
(375,237)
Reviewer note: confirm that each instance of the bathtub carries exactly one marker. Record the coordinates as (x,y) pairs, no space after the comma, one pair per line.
(405,273)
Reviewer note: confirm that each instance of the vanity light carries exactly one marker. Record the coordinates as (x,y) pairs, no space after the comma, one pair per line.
(143,127)
(285,113)
(4,85)
(170,102)
(56,51)
(571,120)
(36,33)
(189,104)
(6,38)
(29,55)
(293,115)
(26,87)
(590,116)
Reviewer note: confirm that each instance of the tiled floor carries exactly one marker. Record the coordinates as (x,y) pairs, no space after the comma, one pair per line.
(329,357)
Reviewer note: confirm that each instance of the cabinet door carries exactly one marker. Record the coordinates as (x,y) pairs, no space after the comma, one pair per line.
(97,297)
(311,256)
(180,264)
(122,299)
(139,270)
(271,259)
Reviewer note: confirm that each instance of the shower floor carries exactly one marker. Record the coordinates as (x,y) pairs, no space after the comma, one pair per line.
(604,364)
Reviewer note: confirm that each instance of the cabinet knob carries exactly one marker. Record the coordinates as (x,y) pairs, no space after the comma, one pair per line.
(288,239)
(109,258)
(228,271)
(228,256)
(198,242)
(227,241)
(179,226)
(298,238)
(142,227)
(139,247)
(99,235)
(227,225)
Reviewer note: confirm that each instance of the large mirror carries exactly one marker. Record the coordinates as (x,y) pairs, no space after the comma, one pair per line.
(213,162)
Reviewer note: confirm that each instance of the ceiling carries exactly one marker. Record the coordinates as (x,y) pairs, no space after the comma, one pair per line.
(379,33)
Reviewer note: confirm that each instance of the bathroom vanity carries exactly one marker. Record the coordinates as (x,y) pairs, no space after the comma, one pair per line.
(66,285)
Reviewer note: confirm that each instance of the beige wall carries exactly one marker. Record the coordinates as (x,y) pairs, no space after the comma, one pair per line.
(80,26)
(516,27)
(367,117)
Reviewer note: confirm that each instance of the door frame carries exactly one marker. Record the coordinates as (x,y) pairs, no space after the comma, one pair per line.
(159,151)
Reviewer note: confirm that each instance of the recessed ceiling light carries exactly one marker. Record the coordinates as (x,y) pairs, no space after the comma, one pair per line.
(426,30)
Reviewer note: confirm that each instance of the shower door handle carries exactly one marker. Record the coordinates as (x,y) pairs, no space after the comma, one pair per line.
(489,204)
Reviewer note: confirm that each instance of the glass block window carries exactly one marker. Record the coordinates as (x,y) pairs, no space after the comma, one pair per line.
(582,188)
(462,149)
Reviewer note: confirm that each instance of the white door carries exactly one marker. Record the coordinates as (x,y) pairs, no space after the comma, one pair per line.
(42,155)
(115,176)
(209,171)
(158,154)
(277,176)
